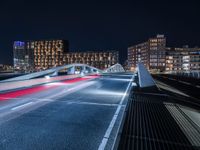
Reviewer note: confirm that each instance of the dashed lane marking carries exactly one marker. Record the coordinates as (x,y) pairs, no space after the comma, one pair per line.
(112,123)
(21,106)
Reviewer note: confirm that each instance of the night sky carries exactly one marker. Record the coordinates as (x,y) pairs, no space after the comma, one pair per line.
(98,25)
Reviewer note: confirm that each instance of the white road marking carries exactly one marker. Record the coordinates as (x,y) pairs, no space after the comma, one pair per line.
(21,106)
(118,79)
(184,82)
(89,103)
(198,86)
(171,79)
(63,92)
(112,123)
(156,94)
(44,99)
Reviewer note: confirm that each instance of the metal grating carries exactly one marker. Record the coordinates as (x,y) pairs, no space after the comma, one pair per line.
(192,133)
(149,126)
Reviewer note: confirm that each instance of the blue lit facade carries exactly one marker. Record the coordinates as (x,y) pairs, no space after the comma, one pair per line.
(19,44)
(21,58)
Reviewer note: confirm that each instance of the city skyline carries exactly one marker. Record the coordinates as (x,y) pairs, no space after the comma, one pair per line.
(97,25)
(40,55)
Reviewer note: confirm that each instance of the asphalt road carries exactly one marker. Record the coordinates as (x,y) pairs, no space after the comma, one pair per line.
(82,115)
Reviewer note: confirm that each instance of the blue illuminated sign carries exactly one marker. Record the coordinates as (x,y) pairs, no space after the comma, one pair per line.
(19,43)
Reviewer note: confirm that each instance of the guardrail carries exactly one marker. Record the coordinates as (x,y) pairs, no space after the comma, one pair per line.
(189,74)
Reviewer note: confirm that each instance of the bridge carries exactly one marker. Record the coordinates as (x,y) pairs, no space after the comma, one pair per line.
(77,106)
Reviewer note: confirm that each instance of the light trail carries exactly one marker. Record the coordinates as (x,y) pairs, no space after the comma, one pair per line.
(31,90)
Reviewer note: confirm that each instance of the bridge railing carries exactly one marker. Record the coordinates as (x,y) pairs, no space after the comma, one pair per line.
(191,74)
(47,76)
(53,71)
(115,68)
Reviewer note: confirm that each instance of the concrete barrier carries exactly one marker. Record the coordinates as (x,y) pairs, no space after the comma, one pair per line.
(145,79)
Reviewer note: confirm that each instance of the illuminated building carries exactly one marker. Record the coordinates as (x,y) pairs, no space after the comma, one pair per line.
(20,55)
(6,68)
(30,56)
(151,53)
(98,59)
(38,55)
(47,53)
(138,53)
(182,59)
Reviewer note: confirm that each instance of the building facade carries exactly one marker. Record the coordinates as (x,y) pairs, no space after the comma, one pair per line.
(182,59)
(100,59)
(47,53)
(39,55)
(20,56)
(138,53)
(31,56)
(157,57)
(151,53)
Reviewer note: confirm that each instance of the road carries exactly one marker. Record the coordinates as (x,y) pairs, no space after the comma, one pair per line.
(80,114)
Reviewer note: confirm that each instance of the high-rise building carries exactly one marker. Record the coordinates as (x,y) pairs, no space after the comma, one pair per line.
(157,50)
(182,59)
(98,59)
(138,53)
(151,53)
(20,55)
(39,55)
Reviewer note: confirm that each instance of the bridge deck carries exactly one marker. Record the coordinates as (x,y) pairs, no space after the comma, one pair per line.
(65,115)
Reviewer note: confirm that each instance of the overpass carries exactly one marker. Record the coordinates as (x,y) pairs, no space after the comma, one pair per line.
(92,109)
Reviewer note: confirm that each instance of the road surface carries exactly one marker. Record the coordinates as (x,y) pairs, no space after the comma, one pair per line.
(74,115)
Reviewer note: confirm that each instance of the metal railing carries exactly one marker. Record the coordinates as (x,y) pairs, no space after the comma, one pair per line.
(191,74)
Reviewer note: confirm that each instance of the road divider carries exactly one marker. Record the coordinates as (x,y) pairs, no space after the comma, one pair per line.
(145,79)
